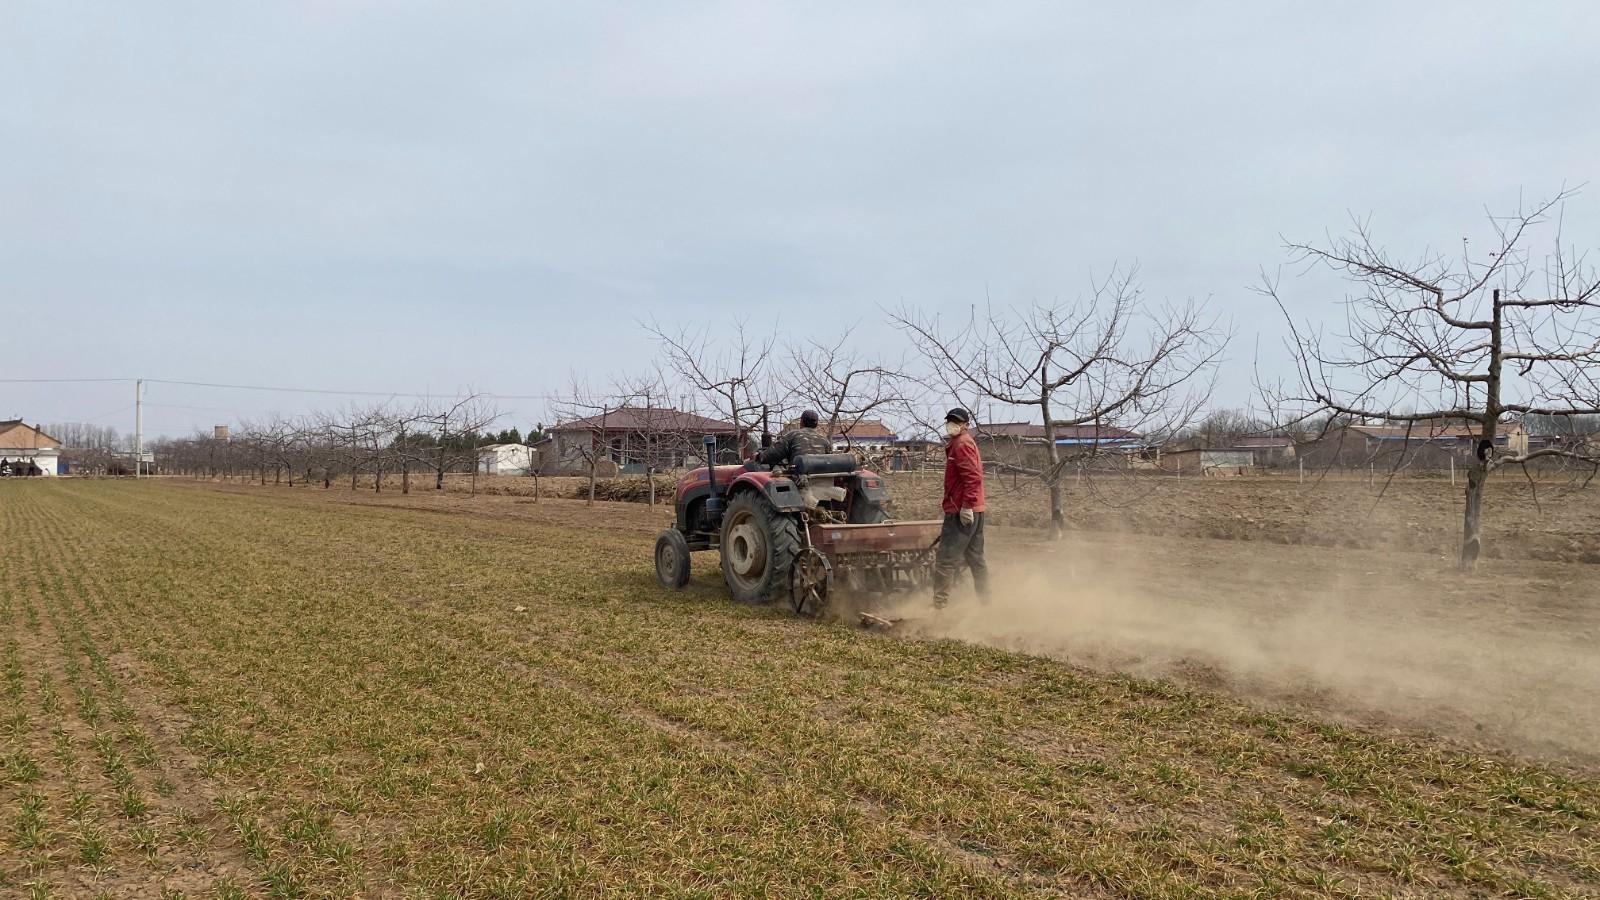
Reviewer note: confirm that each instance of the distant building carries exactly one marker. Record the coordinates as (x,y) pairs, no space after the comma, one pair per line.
(1109,436)
(1575,433)
(26,447)
(1509,436)
(1024,444)
(1430,443)
(1266,450)
(505,459)
(1209,461)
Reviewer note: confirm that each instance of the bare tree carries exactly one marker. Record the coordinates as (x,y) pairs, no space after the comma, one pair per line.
(592,420)
(1225,427)
(455,428)
(729,373)
(1104,361)
(1476,339)
(843,385)
(412,445)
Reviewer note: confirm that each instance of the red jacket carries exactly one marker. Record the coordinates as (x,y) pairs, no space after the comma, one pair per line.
(963,474)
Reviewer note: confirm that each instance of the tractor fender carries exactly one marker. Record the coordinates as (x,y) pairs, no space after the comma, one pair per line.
(780,492)
(873,488)
(783,495)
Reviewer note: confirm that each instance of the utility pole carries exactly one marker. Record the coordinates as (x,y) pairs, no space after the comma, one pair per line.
(138,427)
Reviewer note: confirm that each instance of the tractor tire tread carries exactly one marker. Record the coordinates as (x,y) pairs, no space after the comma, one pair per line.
(783,536)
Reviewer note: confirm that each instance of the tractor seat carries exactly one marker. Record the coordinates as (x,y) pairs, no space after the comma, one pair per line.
(823,464)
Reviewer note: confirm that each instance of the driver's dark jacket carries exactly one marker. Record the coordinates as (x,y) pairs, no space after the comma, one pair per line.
(797,442)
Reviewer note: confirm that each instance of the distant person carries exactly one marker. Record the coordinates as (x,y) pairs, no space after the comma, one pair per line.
(800,441)
(961,540)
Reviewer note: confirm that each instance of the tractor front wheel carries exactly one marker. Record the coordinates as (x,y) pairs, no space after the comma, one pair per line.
(758,549)
(672,560)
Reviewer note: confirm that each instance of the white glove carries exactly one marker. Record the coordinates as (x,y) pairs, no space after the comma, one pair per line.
(966,518)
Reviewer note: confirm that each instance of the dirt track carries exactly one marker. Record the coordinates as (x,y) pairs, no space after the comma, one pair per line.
(1384,632)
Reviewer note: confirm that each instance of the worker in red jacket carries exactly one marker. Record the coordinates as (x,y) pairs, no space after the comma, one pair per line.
(961,541)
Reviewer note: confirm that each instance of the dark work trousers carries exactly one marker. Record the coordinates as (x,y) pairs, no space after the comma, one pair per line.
(960,544)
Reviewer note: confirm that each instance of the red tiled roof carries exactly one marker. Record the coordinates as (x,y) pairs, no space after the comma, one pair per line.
(641,419)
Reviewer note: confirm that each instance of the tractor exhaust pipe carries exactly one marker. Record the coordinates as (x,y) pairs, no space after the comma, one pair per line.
(713,501)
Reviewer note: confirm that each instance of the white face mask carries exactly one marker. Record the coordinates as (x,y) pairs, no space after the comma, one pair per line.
(952,428)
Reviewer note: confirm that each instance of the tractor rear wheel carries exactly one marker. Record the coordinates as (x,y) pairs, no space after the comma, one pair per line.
(672,560)
(758,549)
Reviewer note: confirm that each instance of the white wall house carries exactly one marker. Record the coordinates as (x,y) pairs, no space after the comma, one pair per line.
(20,443)
(505,459)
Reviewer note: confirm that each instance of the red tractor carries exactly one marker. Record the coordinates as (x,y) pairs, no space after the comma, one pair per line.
(795,532)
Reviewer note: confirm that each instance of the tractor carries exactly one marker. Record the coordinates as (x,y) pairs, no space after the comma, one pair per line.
(795,534)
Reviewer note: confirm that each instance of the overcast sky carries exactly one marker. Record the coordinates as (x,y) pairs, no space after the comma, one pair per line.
(437,197)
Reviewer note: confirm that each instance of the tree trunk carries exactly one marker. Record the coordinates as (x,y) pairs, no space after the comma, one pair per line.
(353,476)
(405,476)
(1471,540)
(594,462)
(377,478)
(1057,517)
(1053,473)
(1478,470)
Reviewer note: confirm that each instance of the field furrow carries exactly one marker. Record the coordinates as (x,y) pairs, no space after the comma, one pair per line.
(248,695)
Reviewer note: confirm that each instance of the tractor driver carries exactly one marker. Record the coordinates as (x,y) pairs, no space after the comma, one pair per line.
(796,442)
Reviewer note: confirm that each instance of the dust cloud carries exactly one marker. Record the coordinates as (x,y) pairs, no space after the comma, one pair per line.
(1355,637)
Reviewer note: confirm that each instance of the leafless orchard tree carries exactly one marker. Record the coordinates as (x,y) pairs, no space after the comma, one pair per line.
(601,411)
(731,373)
(411,445)
(1479,339)
(655,436)
(342,430)
(1107,359)
(843,385)
(454,427)
(377,439)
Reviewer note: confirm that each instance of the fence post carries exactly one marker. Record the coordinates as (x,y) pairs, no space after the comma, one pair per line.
(1301,464)
(1452,471)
